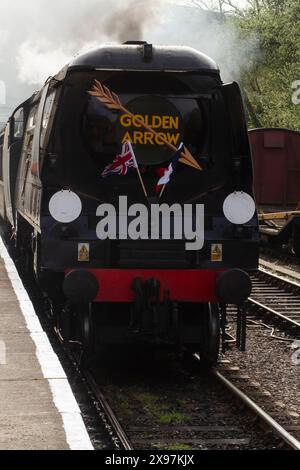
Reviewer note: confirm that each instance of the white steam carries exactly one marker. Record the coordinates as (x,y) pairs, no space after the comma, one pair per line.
(34,65)
(204,31)
(37,37)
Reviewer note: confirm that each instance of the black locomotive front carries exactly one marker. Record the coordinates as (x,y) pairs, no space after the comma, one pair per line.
(154,287)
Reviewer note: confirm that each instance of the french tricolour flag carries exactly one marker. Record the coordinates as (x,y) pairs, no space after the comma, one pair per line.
(166,173)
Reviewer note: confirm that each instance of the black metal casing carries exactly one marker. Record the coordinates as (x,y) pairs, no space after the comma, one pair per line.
(63,162)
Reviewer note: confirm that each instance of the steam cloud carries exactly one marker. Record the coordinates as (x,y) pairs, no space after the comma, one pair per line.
(38,37)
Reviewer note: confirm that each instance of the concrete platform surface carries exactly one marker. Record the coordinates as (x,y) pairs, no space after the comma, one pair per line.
(38,410)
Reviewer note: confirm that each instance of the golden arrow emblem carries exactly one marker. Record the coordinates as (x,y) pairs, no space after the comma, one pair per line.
(112,101)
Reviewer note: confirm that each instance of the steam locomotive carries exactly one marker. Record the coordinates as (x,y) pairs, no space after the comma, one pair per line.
(115,275)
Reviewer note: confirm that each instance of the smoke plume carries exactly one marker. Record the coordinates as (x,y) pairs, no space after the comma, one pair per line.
(38,37)
(132,19)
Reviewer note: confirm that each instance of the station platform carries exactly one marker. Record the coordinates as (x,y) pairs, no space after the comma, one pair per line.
(38,410)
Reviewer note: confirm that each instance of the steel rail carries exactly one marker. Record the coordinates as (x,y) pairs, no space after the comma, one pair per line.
(281,270)
(113,420)
(109,414)
(271,309)
(274,312)
(265,271)
(291,441)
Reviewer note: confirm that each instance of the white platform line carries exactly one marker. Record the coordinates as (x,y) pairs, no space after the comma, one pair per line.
(63,398)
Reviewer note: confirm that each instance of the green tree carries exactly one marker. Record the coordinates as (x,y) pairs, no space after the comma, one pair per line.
(268,81)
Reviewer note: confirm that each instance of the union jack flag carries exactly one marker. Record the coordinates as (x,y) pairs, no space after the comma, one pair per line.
(122,163)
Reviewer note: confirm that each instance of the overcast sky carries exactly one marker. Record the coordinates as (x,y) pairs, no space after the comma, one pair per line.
(37,37)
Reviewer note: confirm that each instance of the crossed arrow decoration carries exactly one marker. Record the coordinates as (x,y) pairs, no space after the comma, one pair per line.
(112,101)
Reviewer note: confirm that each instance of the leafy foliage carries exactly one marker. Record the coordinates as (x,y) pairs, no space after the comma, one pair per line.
(268,78)
(268,81)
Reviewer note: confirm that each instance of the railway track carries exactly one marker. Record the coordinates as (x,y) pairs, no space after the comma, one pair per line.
(216,422)
(277,297)
(123,441)
(266,419)
(283,256)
